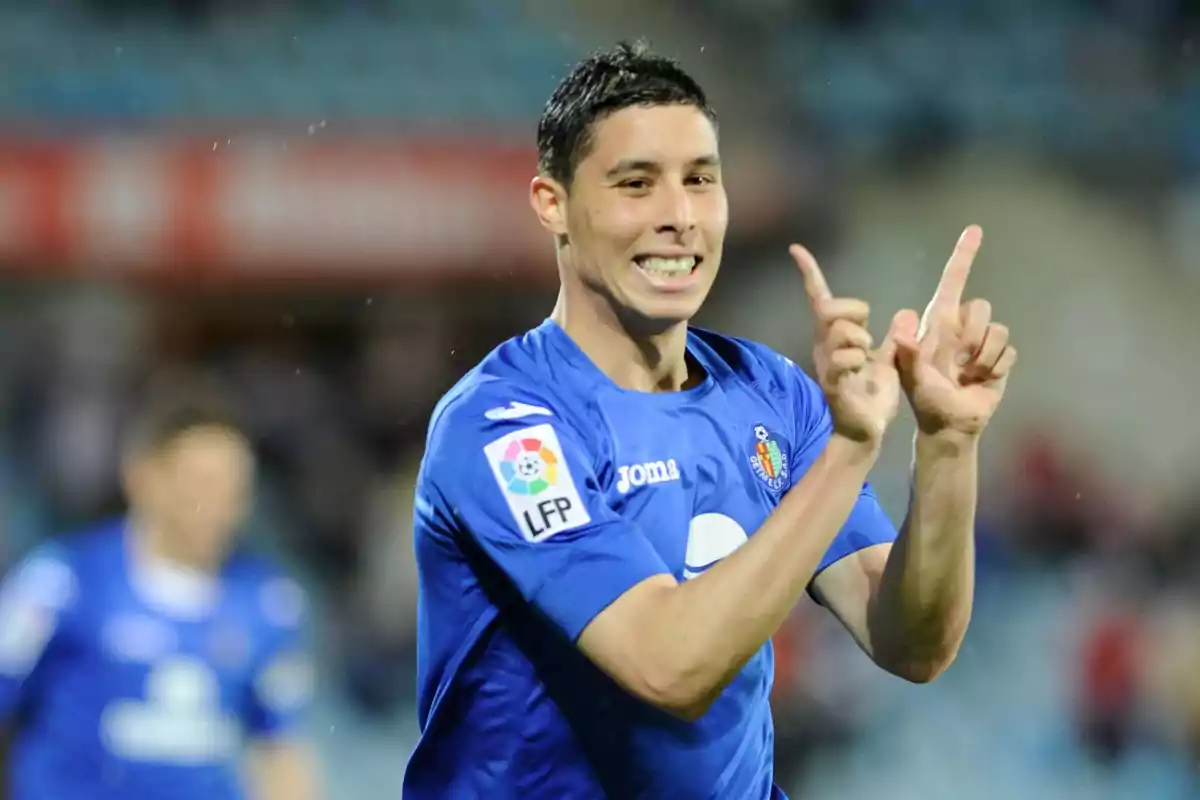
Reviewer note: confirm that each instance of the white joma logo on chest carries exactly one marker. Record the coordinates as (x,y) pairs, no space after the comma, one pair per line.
(636,475)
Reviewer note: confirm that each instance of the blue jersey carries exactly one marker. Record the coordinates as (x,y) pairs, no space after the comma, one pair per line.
(546,492)
(123,678)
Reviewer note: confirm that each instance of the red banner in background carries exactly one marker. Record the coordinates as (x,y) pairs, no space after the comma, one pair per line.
(256,208)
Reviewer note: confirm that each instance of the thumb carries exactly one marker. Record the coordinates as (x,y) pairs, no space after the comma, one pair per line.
(901,341)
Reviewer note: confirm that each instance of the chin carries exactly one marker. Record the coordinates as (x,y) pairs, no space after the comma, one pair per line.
(659,314)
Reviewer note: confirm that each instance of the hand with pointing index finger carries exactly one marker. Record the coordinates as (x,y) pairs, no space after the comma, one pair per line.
(956,370)
(860,381)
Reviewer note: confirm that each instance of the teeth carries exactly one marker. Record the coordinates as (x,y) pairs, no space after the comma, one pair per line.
(667,267)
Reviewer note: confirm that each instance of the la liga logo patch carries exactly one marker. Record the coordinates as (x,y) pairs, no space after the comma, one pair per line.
(536,482)
(769,457)
(529,467)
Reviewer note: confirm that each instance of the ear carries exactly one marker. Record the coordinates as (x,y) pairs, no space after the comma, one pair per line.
(548,198)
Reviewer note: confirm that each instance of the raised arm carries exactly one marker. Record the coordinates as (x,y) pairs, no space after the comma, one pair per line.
(910,605)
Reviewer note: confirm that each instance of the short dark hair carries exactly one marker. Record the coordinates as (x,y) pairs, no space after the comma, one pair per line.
(608,81)
(174,406)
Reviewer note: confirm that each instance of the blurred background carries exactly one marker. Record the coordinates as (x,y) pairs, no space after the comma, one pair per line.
(321,202)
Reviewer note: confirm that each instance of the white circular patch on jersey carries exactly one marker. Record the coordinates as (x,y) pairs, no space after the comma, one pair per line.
(178,721)
(182,685)
(711,537)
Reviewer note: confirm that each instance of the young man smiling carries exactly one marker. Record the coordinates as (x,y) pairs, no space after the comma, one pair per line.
(585,634)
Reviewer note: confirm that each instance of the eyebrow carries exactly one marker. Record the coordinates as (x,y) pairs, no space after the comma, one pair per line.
(646,165)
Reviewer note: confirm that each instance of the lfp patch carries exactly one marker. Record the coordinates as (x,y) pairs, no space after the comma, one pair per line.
(536,482)
(769,458)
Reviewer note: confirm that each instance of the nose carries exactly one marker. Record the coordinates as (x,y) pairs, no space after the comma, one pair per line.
(677,213)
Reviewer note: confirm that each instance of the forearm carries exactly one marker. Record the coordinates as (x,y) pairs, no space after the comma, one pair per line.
(919,615)
(711,626)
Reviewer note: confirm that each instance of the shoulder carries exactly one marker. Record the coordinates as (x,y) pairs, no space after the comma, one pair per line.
(46,576)
(772,379)
(98,547)
(757,364)
(494,427)
(37,595)
(512,388)
(271,595)
(480,403)
(492,421)
(54,567)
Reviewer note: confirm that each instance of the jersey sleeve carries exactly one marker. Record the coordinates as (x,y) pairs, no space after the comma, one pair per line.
(523,487)
(282,685)
(868,524)
(35,597)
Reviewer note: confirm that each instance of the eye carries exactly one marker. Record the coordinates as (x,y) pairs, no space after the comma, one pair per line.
(702,180)
(637,184)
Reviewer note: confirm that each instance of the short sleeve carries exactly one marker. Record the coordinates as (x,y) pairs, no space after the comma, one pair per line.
(34,598)
(528,495)
(282,684)
(868,524)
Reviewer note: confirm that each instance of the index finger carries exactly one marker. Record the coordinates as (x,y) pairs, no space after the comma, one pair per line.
(815,285)
(953,283)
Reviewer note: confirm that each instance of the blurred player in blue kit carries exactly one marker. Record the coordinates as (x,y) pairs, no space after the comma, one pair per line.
(137,658)
(616,512)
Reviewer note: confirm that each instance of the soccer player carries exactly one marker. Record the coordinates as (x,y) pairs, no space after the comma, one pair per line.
(616,512)
(136,658)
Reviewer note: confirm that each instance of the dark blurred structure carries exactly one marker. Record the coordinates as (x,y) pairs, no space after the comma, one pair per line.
(322,204)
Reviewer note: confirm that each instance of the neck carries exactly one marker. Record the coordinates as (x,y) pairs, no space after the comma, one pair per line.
(156,542)
(643,361)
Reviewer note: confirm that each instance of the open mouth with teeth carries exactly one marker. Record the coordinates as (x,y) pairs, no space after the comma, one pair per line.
(661,267)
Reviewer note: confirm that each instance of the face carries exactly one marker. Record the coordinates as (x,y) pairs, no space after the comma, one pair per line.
(646,213)
(196,490)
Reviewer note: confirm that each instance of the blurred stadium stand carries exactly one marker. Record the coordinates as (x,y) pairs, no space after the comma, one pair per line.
(322,202)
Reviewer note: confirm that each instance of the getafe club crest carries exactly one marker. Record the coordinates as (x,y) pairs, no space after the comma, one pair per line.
(769,459)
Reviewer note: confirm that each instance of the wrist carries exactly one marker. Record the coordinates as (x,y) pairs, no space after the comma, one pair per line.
(854,451)
(945,444)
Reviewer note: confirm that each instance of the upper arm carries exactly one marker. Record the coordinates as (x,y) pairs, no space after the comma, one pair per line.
(281,685)
(529,497)
(34,599)
(612,642)
(848,586)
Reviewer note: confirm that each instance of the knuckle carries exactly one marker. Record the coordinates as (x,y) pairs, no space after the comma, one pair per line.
(844,332)
(840,308)
(849,358)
